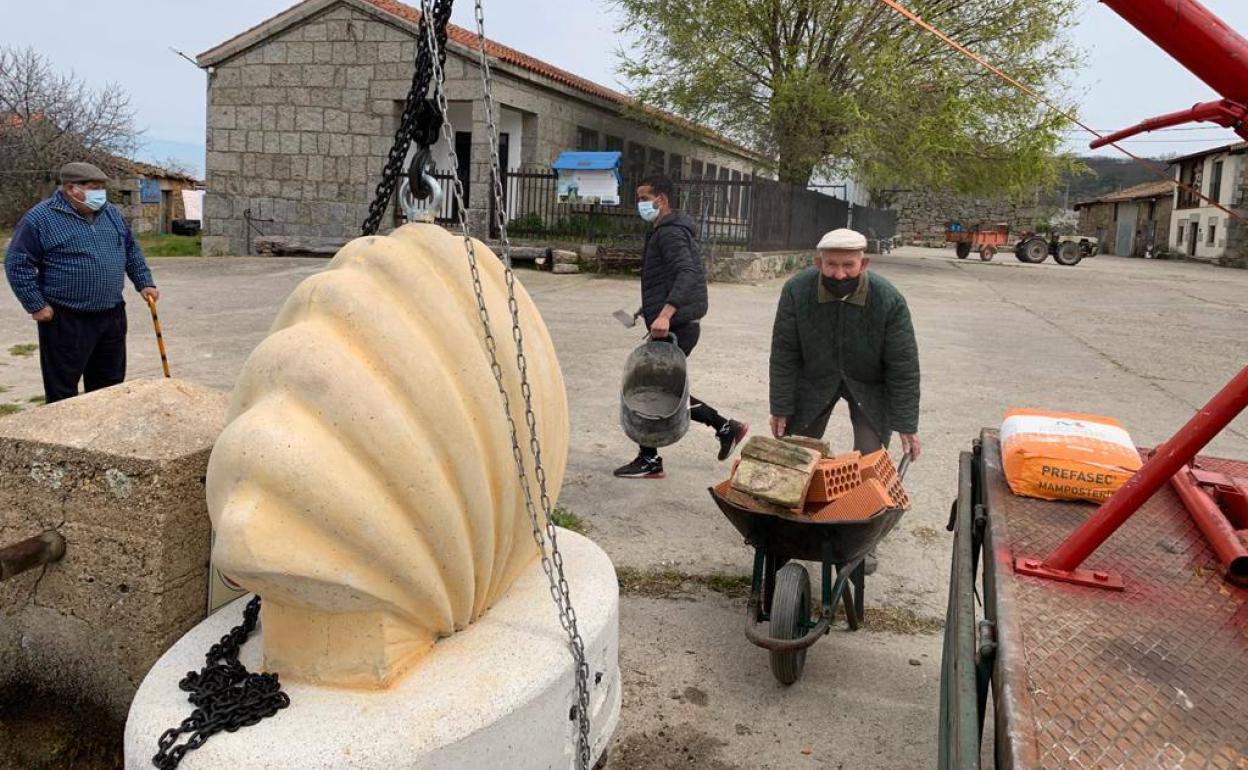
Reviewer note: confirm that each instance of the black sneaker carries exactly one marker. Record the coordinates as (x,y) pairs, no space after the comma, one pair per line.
(642,468)
(731,434)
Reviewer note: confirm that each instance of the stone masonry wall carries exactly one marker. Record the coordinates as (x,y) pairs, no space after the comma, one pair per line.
(1237,229)
(299,126)
(922,216)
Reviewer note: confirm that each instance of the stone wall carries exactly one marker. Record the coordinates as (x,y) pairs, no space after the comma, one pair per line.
(120,474)
(1237,229)
(300,124)
(755,267)
(1097,220)
(922,216)
(148,217)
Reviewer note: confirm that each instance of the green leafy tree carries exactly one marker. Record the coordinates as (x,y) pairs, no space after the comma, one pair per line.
(852,86)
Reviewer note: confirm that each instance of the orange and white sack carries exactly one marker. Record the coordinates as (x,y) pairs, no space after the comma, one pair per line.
(1066,456)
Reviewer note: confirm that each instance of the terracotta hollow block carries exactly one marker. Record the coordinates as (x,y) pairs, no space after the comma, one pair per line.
(879,466)
(864,501)
(834,477)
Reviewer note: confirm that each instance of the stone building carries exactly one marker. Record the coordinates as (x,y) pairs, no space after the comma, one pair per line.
(302,111)
(149,197)
(1130,223)
(1198,228)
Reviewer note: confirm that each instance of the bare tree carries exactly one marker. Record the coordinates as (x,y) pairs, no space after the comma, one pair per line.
(48,118)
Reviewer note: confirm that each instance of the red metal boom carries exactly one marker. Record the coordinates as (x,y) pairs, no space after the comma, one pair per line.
(1202,43)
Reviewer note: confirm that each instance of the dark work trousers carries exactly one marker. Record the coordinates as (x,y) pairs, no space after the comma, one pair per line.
(699,411)
(866,439)
(77,345)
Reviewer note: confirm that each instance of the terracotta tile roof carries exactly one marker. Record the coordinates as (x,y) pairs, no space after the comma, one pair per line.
(519,59)
(504,53)
(1158,189)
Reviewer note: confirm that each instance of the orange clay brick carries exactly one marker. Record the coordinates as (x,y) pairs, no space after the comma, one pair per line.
(862,502)
(879,466)
(834,477)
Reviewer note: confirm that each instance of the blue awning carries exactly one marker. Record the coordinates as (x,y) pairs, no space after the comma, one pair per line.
(587,161)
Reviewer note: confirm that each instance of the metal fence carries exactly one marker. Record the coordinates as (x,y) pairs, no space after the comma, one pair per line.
(874,223)
(720,207)
(750,214)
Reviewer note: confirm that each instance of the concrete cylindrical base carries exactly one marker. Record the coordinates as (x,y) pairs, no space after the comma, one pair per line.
(498,694)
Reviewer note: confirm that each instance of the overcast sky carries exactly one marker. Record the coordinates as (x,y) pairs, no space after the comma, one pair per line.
(1125,79)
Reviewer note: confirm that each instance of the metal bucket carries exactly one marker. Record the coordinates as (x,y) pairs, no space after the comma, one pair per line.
(654,398)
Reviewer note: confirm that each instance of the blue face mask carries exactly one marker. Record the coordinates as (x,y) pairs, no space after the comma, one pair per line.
(95,199)
(648,210)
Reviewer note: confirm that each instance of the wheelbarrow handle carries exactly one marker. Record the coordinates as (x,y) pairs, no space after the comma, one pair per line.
(906,459)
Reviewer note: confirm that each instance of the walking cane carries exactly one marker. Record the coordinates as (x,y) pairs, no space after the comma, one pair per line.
(160,339)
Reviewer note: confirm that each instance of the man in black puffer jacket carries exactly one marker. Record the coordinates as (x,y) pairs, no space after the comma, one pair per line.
(673,300)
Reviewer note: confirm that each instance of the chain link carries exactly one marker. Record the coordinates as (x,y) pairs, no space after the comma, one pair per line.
(226,696)
(551,559)
(419,122)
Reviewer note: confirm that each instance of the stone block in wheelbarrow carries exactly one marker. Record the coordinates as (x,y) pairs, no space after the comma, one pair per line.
(775,471)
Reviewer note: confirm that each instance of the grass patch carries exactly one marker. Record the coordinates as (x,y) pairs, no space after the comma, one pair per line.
(169,245)
(35,400)
(898,620)
(6,409)
(25,350)
(5,234)
(674,584)
(669,583)
(562,517)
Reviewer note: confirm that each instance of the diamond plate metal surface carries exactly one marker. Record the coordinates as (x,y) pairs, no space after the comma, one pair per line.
(1153,677)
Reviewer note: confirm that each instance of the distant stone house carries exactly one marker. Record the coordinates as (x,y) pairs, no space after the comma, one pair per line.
(1198,228)
(302,111)
(149,197)
(1134,222)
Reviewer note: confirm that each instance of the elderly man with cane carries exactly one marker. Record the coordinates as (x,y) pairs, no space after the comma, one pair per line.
(67,263)
(844,333)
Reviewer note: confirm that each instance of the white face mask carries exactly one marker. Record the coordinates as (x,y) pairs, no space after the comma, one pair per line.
(648,210)
(95,199)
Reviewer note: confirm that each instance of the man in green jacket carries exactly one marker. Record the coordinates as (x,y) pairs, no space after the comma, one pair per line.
(842,332)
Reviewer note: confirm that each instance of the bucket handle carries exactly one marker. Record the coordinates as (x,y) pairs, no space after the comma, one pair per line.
(669,336)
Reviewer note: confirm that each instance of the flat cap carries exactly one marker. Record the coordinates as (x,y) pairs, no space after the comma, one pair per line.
(843,239)
(81,172)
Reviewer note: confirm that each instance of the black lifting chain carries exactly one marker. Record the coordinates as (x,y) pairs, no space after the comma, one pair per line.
(420,123)
(226,696)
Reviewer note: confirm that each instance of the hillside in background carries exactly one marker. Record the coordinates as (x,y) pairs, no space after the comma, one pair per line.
(1106,175)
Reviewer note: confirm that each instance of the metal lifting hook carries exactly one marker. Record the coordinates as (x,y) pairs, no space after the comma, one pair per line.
(417,210)
(420,195)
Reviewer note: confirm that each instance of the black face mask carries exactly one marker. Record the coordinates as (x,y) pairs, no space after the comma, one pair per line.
(839,288)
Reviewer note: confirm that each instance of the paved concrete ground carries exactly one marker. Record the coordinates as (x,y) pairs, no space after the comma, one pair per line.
(1147,342)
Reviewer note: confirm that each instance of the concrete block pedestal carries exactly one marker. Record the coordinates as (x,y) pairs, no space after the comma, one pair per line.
(497,694)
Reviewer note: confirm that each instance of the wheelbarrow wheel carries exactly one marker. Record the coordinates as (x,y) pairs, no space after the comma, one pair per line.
(790,619)
(963,249)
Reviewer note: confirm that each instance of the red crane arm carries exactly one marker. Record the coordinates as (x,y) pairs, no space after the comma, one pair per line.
(1203,44)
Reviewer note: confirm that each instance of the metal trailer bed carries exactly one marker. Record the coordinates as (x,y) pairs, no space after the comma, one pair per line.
(1154,676)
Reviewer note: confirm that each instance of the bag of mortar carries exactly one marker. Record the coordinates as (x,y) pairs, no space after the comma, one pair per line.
(1066,456)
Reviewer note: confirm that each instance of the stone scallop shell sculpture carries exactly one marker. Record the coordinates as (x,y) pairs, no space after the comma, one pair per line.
(364,484)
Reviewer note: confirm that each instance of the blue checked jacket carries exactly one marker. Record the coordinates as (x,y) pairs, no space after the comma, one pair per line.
(57,257)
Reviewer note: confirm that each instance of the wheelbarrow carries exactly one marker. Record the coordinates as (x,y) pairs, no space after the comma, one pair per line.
(780,590)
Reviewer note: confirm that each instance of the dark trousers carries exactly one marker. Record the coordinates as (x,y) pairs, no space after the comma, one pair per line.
(866,439)
(77,345)
(699,411)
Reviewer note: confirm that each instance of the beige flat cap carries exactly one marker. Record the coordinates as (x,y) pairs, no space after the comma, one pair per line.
(843,239)
(82,172)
